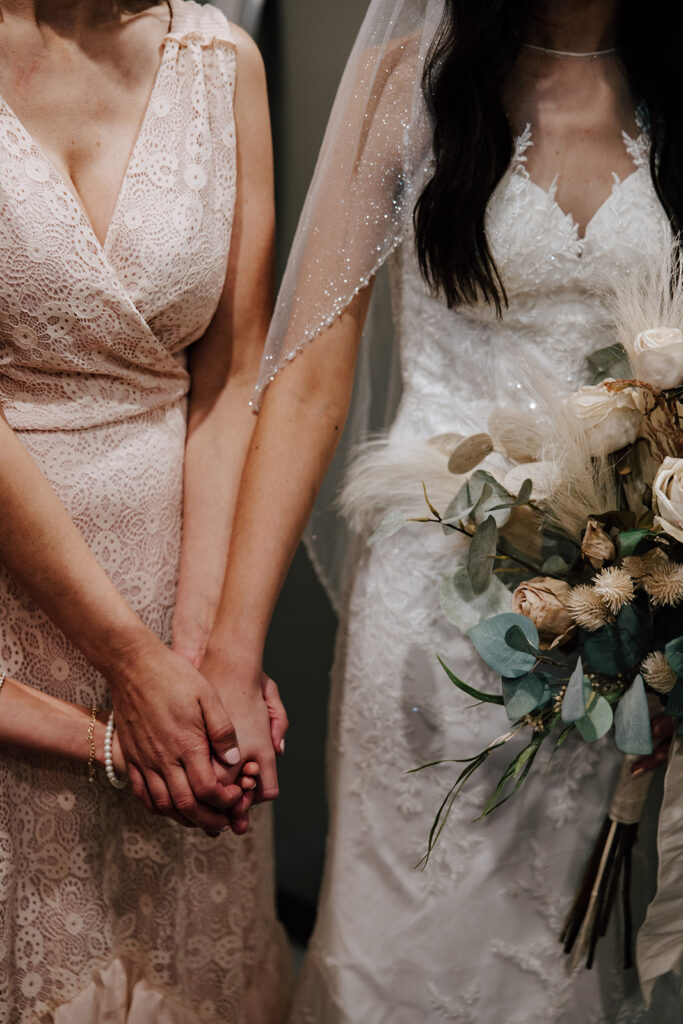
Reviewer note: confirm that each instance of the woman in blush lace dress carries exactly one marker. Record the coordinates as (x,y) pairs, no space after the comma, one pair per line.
(136,237)
(508,158)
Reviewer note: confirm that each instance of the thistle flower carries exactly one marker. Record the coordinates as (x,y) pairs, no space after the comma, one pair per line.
(664,584)
(587,608)
(615,587)
(658,673)
(638,566)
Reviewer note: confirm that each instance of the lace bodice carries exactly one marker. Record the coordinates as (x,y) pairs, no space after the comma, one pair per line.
(458,365)
(93,333)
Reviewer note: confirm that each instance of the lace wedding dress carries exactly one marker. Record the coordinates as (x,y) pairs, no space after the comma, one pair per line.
(107,913)
(472,939)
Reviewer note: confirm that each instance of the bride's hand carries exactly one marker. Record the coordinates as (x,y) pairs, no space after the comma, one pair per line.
(258,713)
(662,733)
(171,724)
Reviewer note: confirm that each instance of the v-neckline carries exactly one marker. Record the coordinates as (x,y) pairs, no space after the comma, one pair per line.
(525,140)
(66,184)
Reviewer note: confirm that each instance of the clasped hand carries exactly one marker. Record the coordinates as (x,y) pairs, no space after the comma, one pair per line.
(184,756)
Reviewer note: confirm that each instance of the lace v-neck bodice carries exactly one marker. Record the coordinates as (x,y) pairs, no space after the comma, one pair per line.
(458,365)
(98,333)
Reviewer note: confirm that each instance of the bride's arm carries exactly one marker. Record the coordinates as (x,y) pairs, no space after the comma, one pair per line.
(163,705)
(224,366)
(35,721)
(298,428)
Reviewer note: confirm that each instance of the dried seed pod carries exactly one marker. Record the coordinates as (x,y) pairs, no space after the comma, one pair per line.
(469,453)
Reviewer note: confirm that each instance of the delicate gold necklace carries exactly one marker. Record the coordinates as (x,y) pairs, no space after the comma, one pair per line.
(569,53)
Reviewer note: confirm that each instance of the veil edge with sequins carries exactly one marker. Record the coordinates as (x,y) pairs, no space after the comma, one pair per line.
(371,168)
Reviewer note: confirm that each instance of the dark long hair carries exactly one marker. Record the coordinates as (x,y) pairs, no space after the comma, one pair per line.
(470,60)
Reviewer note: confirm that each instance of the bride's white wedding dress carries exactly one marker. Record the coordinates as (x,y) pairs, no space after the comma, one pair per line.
(473,939)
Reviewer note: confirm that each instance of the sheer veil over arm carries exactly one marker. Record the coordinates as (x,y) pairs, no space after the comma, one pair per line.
(372,164)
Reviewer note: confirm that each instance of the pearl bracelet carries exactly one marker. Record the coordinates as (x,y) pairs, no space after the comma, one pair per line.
(108,759)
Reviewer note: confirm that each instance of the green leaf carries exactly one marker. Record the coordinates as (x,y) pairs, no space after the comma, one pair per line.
(674,654)
(390,525)
(522,696)
(464,608)
(611,361)
(597,722)
(674,702)
(521,499)
(461,509)
(485,698)
(632,730)
(619,646)
(481,553)
(574,700)
(560,552)
(517,640)
(631,542)
(517,769)
(489,639)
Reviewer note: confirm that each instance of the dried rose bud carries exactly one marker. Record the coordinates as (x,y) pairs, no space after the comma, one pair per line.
(543,600)
(597,545)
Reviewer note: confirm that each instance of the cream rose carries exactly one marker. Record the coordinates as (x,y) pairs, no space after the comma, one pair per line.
(657,356)
(611,419)
(668,497)
(542,600)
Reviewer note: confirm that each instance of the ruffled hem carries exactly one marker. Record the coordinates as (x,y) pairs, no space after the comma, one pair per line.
(196,23)
(118,994)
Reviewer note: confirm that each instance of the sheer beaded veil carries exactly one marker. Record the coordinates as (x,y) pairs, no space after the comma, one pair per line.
(359,207)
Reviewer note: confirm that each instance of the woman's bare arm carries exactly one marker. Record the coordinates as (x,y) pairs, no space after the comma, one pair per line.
(298,428)
(34,721)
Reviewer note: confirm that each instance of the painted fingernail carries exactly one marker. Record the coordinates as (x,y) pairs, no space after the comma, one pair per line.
(226,828)
(282,746)
(232,756)
(637,772)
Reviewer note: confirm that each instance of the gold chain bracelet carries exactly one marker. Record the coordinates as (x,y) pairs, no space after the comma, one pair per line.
(91,743)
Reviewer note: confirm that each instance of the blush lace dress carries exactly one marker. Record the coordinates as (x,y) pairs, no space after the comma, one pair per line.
(473,939)
(107,913)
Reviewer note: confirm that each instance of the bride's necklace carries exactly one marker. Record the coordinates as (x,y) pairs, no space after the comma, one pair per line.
(569,53)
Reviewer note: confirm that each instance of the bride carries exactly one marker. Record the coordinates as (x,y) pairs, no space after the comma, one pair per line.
(506,158)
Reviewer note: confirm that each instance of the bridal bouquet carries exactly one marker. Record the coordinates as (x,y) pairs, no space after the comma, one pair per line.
(572,590)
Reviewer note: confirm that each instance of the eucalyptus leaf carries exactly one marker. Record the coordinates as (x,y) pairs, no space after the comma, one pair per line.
(597,721)
(481,554)
(674,654)
(521,499)
(461,509)
(619,646)
(574,700)
(674,702)
(522,696)
(390,525)
(517,640)
(611,361)
(464,608)
(485,698)
(560,552)
(632,729)
(489,639)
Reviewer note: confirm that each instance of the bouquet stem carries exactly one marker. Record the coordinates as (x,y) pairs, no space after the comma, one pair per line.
(589,916)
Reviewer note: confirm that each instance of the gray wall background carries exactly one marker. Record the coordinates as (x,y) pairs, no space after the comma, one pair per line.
(305,44)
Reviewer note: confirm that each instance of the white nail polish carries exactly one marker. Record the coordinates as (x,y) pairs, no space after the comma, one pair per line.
(232,756)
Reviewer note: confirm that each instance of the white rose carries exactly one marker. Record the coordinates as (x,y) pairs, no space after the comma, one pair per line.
(611,419)
(668,497)
(657,357)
